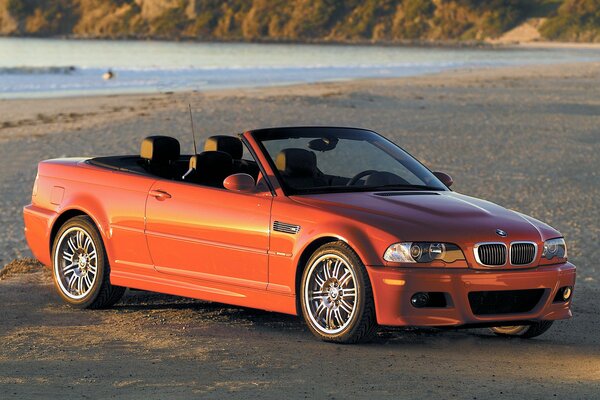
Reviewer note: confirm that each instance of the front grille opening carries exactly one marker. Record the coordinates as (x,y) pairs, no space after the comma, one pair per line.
(492,254)
(522,253)
(505,301)
(437,299)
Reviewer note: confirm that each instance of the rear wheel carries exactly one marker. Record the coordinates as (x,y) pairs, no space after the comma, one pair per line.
(80,266)
(523,331)
(336,295)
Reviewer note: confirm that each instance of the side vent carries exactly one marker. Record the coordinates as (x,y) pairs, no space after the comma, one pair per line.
(285,227)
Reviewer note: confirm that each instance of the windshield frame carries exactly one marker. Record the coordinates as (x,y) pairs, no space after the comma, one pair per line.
(266,134)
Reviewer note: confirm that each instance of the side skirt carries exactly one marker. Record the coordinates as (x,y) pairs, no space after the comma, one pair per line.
(209,291)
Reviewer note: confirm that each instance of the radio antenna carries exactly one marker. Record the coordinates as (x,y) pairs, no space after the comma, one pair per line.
(193,133)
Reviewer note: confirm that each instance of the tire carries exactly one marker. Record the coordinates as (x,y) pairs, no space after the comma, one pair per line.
(80,266)
(523,331)
(336,295)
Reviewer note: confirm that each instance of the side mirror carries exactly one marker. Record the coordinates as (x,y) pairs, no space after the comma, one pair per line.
(444,177)
(240,183)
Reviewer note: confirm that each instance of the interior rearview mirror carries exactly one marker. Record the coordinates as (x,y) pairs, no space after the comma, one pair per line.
(444,177)
(323,144)
(240,183)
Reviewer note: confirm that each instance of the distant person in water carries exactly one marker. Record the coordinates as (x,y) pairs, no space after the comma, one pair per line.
(108,75)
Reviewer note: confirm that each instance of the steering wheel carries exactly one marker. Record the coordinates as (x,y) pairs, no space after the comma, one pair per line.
(359,176)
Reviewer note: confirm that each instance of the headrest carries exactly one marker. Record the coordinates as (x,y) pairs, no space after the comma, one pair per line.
(298,162)
(228,144)
(160,149)
(211,162)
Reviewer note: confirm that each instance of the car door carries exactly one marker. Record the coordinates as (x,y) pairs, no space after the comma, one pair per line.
(209,234)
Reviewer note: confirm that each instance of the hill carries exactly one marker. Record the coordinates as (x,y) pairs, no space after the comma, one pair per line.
(300,20)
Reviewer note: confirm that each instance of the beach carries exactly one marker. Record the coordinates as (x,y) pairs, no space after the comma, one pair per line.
(526,137)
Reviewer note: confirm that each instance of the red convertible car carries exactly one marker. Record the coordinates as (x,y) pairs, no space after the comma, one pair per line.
(337,224)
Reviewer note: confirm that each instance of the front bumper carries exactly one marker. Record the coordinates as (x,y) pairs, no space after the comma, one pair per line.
(394,287)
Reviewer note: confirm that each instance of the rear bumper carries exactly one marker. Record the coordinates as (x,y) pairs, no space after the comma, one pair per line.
(38,225)
(393,289)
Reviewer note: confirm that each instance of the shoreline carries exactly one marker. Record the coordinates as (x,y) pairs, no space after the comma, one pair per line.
(36,111)
(285,85)
(204,69)
(425,44)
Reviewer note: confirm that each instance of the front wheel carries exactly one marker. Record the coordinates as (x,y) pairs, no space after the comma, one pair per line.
(523,331)
(336,295)
(80,266)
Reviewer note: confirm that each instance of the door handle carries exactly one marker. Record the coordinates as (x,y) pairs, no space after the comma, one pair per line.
(159,194)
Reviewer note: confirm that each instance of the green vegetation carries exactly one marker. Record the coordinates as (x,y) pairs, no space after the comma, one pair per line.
(414,19)
(302,20)
(20,8)
(575,20)
(49,17)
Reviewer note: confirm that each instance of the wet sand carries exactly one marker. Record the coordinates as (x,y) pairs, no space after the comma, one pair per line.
(527,138)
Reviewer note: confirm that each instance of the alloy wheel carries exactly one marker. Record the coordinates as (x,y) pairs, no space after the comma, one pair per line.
(331,294)
(76,263)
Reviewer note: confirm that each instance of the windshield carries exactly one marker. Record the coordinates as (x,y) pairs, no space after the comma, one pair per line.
(322,160)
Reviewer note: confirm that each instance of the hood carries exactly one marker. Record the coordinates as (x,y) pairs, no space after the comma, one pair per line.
(432,216)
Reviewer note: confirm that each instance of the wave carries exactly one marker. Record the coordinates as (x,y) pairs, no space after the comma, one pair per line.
(67,70)
(37,70)
(281,67)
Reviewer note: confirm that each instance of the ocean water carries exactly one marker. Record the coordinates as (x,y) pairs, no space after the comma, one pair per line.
(58,67)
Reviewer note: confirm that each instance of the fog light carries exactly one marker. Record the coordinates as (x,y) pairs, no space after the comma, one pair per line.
(419,300)
(563,294)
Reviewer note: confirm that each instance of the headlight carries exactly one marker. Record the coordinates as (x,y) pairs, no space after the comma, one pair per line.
(423,252)
(554,248)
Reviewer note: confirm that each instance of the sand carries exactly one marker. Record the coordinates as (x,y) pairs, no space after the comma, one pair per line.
(526,138)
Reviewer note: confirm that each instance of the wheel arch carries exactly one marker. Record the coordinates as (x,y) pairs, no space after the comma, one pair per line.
(305,255)
(106,293)
(65,216)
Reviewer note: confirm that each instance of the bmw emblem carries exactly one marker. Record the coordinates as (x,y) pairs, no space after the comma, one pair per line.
(502,233)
